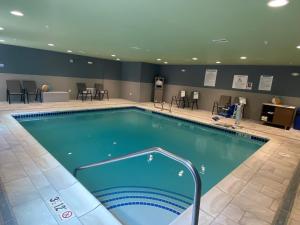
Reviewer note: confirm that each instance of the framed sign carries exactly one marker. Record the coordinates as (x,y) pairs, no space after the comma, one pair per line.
(240,81)
(210,78)
(265,83)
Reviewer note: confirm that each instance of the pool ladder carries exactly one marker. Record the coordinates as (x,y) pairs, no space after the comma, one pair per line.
(186,163)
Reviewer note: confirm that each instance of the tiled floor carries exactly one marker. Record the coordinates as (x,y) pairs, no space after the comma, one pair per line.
(249,195)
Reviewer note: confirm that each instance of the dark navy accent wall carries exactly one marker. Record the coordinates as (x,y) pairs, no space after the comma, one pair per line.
(149,71)
(131,71)
(283,83)
(21,60)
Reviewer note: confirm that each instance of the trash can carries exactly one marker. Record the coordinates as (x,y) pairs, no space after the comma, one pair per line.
(297,120)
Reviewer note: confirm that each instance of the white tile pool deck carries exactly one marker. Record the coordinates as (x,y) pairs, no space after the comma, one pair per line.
(249,195)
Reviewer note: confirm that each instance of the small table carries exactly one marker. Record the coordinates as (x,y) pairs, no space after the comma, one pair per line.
(280,115)
(55,96)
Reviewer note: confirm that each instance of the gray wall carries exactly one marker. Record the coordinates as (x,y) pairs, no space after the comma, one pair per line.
(133,80)
(283,84)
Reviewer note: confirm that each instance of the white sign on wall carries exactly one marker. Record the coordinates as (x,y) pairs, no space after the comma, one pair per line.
(240,81)
(210,78)
(265,83)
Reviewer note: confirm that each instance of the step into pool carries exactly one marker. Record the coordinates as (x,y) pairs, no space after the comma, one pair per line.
(146,190)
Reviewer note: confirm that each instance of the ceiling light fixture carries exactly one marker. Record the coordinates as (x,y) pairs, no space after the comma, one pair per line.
(16,13)
(113,55)
(165,62)
(218,62)
(298,46)
(89,62)
(194,58)
(295,74)
(69,51)
(220,41)
(243,57)
(1,28)
(158,59)
(1,40)
(277,3)
(52,45)
(118,59)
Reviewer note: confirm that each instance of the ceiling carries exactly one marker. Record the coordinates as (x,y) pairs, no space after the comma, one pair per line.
(172,30)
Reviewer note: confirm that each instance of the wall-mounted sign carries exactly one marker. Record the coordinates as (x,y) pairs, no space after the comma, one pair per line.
(210,78)
(265,83)
(240,81)
(249,85)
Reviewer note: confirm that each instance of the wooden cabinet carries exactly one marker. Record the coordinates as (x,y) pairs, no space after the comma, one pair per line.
(280,115)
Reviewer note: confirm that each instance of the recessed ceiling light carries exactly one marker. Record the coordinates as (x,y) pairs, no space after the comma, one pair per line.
(295,74)
(69,51)
(118,59)
(298,46)
(195,58)
(183,70)
(89,62)
(218,62)
(243,57)
(165,62)
(71,60)
(220,41)
(113,55)
(16,13)
(52,45)
(158,59)
(277,3)
(1,40)
(1,28)
(136,47)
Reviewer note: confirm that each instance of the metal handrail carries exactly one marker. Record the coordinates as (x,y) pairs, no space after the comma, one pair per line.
(186,163)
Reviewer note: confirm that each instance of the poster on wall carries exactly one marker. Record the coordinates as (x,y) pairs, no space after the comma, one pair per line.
(249,85)
(240,81)
(265,83)
(210,78)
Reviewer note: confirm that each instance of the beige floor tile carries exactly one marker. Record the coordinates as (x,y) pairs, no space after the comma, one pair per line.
(20,191)
(214,201)
(98,216)
(7,157)
(233,212)
(254,208)
(223,220)
(37,215)
(250,219)
(231,184)
(11,171)
(79,199)
(60,178)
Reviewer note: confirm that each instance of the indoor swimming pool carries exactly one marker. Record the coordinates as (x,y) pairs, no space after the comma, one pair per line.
(146,190)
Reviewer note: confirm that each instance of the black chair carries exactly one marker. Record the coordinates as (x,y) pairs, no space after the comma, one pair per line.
(222,105)
(194,98)
(181,99)
(100,92)
(14,88)
(83,92)
(32,90)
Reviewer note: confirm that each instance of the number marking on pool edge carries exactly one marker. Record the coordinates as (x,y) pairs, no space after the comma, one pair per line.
(60,208)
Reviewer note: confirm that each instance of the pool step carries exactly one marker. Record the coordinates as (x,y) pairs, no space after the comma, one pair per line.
(136,204)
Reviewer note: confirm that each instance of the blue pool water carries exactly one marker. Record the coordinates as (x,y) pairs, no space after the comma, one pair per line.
(146,190)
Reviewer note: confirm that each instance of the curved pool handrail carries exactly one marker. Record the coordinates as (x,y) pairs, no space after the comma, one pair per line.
(186,163)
